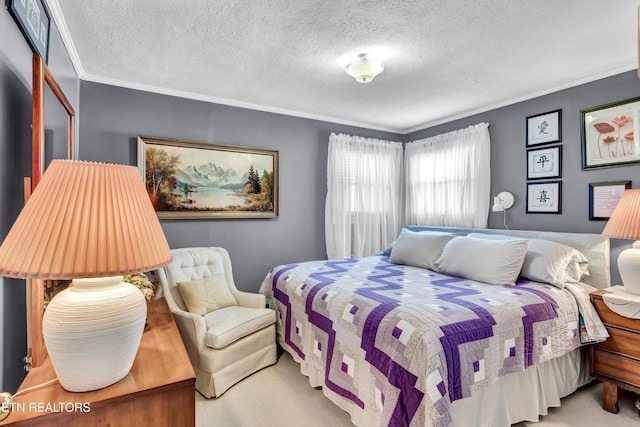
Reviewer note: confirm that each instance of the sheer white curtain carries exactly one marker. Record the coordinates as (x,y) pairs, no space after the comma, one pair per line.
(448,178)
(364,195)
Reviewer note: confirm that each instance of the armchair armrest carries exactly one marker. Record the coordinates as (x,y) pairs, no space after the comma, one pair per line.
(250,300)
(192,329)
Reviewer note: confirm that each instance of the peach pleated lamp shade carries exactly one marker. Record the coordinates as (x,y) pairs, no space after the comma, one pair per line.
(625,220)
(84,220)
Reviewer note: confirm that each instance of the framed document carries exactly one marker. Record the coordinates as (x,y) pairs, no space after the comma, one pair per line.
(603,198)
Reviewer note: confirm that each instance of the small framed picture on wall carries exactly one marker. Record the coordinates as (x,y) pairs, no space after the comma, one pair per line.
(32,17)
(545,128)
(603,198)
(544,197)
(544,163)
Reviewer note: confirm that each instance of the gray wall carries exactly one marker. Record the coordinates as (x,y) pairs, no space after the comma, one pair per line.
(112,117)
(508,157)
(15,163)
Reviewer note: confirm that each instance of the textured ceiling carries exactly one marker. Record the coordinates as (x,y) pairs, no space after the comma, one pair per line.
(444,59)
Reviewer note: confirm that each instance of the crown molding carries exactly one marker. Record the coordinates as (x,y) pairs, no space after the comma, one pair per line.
(617,69)
(233,103)
(58,18)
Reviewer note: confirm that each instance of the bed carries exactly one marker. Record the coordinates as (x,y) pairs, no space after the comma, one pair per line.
(404,345)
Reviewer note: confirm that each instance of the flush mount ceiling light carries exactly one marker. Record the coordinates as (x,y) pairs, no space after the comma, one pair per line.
(364,69)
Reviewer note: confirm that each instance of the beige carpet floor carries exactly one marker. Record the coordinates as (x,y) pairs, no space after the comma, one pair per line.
(280,396)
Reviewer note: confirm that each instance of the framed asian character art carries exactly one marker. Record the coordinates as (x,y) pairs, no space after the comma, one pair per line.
(544,163)
(188,179)
(545,128)
(544,197)
(608,134)
(34,21)
(603,198)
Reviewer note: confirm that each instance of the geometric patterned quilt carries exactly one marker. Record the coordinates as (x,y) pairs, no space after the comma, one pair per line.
(402,342)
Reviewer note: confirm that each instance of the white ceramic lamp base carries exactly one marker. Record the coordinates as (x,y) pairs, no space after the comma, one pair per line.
(92,332)
(629,267)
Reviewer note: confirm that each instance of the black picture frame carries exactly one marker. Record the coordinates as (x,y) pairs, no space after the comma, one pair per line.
(553,155)
(603,198)
(607,134)
(34,21)
(553,197)
(543,129)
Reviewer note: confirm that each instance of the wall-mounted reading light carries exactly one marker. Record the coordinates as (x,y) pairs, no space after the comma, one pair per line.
(501,203)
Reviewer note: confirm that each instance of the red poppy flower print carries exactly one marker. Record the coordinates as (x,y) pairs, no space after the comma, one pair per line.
(629,136)
(622,120)
(604,127)
(609,140)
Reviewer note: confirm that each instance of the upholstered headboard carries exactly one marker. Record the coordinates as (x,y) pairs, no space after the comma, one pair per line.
(593,246)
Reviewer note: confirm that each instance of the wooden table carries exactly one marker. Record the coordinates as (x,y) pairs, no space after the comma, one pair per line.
(615,361)
(158,391)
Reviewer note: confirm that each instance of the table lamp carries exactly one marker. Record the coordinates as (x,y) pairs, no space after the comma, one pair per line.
(92,223)
(624,223)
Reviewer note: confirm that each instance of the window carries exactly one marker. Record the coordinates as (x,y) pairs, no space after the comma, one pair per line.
(448,179)
(364,178)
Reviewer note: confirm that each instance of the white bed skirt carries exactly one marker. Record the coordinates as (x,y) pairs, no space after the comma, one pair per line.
(522,396)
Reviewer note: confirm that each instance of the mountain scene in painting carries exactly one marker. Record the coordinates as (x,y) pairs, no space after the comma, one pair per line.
(191,179)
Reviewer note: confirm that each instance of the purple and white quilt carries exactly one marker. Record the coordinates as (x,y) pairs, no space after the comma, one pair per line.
(402,342)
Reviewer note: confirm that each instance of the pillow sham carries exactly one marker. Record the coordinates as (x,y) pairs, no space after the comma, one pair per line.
(202,296)
(496,262)
(548,262)
(419,248)
(554,263)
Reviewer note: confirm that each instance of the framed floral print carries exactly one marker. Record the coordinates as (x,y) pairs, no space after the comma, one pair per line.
(608,134)
(545,128)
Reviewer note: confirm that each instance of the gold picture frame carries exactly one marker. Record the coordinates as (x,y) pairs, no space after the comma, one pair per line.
(197,180)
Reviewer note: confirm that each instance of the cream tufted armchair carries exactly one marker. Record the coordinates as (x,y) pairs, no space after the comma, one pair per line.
(225,345)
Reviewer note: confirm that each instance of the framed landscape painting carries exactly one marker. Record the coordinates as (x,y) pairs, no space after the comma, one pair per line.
(187,179)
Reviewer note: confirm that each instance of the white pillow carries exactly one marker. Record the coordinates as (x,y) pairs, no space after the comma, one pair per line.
(548,262)
(496,262)
(419,248)
(554,263)
(494,236)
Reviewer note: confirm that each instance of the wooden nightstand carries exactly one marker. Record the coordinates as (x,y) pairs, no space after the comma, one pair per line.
(159,390)
(615,361)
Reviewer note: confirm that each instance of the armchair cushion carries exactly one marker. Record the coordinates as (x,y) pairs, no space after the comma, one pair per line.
(229,324)
(202,296)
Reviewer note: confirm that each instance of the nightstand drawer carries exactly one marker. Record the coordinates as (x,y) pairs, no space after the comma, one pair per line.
(616,367)
(622,342)
(610,318)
